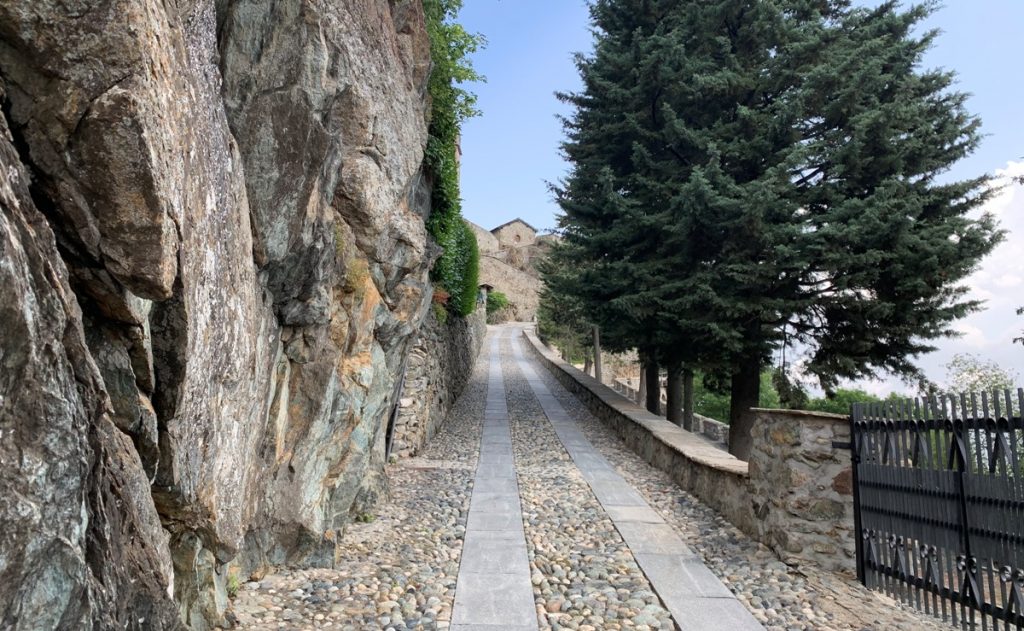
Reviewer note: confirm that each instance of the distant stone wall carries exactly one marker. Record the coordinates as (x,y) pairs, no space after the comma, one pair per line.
(522,289)
(715,431)
(485,241)
(795,494)
(438,369)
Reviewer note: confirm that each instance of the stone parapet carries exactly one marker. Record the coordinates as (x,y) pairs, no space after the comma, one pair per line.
(715,431)
(696,464)
(795,494)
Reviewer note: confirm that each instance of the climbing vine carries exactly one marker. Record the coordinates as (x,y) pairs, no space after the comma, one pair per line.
(450,46)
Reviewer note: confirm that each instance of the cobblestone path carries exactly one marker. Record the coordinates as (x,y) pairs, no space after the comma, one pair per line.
(525,512)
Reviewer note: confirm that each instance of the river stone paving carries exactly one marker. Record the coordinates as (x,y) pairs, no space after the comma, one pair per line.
(778,597)
(399,570)
(583,574)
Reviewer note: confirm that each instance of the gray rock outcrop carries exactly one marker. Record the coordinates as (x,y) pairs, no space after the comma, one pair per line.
(212,263)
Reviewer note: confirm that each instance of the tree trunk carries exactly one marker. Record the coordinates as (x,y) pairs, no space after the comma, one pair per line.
(641,389)
(653,402)
(597,354)
(586,363)
(745,394)
(674,390)
(688,400)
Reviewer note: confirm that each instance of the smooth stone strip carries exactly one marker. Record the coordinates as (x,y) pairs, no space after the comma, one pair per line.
(493,590)
(694,596)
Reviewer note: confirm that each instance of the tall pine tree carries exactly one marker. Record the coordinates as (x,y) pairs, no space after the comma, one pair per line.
(745,171)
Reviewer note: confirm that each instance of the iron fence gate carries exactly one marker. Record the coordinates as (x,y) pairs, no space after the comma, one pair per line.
(939,505)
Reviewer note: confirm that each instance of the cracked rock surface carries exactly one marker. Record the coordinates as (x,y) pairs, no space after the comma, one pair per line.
(213,261)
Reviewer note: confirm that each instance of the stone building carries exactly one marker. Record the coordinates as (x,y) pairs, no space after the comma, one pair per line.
(515,234)
(508,256)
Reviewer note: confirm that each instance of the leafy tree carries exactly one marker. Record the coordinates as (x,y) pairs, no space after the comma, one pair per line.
(967,373)
(496,301)
(713,402)
(841,400)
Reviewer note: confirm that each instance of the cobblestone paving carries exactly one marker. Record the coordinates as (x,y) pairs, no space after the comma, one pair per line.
(777,596)
(584,575)
(399,571)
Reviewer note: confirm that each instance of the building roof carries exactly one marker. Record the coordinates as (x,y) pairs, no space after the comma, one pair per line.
(509,223)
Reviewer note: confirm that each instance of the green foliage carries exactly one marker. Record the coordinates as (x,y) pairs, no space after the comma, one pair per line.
(440,313)
(496,301)
(743,177)
(561,315)
(791,393)
(841,401)
(968,373)
(356,275)
(1019,340)
(234,584)
(450,47)
(365,518)
(713,403)
(458,269)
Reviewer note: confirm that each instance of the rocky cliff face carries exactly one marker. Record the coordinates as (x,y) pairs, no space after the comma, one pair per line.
(212,263)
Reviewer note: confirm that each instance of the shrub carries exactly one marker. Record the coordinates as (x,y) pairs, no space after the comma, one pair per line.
(440,313)
(496,301)
(458,269)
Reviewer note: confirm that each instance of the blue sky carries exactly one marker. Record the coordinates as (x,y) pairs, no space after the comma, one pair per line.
(512,150)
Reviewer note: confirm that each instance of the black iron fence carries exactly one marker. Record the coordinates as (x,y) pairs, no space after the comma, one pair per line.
(939,494)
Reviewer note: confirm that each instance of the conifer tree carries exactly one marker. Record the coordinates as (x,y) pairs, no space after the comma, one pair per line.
(744,169)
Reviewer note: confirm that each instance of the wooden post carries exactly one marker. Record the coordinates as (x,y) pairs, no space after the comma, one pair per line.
(597,354)
(688,399)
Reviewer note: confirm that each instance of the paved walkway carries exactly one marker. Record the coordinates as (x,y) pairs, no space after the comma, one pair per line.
(694,595)
(494,590)
(526,512)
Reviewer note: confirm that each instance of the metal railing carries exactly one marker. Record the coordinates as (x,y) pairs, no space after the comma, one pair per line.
(939,505)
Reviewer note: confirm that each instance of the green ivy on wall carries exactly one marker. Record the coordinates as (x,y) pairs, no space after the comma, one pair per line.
(457,270)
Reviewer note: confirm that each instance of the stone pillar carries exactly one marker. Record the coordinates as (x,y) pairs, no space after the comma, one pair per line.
(802,487)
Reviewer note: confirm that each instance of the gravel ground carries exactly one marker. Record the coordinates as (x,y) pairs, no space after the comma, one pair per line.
(779,597)
(397,572)
(584,576)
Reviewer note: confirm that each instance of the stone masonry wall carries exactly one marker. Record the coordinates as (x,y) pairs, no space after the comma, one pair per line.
(438,369)
(802,488)
(795,494)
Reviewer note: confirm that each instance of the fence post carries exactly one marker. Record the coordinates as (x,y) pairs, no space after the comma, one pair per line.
(856,414)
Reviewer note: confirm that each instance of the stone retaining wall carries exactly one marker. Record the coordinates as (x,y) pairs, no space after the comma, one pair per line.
(795,494)
(438,368)
(715,431)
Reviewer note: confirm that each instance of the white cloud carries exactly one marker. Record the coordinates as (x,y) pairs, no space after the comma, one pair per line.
(1007,280)
(972,336)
